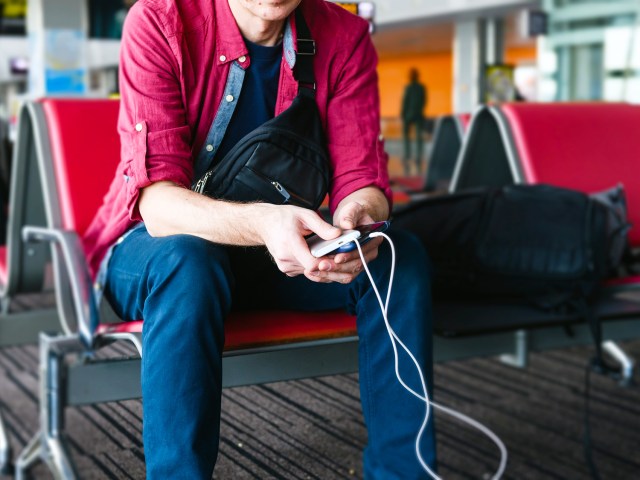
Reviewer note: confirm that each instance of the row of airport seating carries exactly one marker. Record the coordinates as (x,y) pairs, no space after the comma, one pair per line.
(446,141)
(66,154)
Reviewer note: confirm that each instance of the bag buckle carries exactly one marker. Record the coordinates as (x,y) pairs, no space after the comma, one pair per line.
(306,46)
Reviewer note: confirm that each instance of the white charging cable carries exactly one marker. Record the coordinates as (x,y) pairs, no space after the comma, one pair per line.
(424,396)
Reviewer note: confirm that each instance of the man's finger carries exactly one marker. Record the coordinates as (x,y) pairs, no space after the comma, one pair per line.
(321,228)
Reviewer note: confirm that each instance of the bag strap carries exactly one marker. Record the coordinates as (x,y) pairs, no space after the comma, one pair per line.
(306,50)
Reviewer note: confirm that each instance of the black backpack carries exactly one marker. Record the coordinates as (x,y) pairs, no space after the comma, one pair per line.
(546,245)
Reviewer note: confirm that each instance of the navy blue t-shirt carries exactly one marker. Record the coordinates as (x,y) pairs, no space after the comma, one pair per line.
(257,102)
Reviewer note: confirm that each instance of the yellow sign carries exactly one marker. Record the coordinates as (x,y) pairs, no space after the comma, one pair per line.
(13,8)
(350,6)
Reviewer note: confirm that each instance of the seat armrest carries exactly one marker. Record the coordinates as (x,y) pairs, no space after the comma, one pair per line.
(72,269)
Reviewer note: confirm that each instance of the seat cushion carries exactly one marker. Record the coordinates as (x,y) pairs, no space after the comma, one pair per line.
(259,329)
(253,329)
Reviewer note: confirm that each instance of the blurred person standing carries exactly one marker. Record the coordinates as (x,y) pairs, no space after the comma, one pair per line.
(414,102)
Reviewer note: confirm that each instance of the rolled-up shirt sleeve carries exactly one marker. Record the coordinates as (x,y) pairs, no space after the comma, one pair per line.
(355,144)
(156,140)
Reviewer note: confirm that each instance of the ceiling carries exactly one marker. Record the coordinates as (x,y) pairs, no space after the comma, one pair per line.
(414,39)
(429,36)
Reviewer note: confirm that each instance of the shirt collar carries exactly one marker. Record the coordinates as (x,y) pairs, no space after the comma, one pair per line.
(229,42)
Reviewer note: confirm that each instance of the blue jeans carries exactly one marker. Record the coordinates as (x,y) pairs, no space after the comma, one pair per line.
(184,287)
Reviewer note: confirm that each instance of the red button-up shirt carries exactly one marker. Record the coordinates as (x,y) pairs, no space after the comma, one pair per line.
(175,58)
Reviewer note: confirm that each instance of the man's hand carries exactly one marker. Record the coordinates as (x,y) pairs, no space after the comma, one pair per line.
(345,267)
(362,207)
(282,228)
(291,252)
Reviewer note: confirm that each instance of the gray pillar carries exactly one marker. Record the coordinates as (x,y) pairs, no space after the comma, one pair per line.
(493,41)
(57,33)
(466,65)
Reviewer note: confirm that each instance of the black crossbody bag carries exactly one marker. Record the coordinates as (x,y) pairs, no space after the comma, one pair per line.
(285,160)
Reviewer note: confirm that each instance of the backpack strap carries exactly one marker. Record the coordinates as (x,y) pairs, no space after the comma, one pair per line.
(306,50)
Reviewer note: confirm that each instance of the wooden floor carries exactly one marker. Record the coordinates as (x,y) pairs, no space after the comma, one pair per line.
(313,429)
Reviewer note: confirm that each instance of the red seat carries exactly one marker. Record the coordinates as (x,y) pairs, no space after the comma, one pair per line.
(85,151)
(3,265)
(85,160)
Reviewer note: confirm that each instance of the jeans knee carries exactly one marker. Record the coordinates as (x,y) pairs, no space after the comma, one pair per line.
(195,266)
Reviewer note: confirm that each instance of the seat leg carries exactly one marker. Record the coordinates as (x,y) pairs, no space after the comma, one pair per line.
(52,451)
(5,451)
(29,456)
(626,363)
(48,444)
(520,356)
(58,460)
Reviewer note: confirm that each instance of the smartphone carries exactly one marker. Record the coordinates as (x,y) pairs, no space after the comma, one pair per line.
(345,242)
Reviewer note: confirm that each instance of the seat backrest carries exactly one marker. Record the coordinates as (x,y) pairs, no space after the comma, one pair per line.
(85,150)
(583,146)
(445,147)
(483,160)
(25,268)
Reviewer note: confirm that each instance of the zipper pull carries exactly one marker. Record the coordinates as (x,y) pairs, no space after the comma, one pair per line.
(200,185)
(282,191)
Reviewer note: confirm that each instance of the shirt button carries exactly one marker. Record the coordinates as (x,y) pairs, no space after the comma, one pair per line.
(229,98)
(139,127)
(223,58)
(242,59)
(209,148)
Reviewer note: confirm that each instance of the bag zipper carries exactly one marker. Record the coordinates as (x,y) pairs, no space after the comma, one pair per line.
(283,191)
(199,188)
(286,194)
